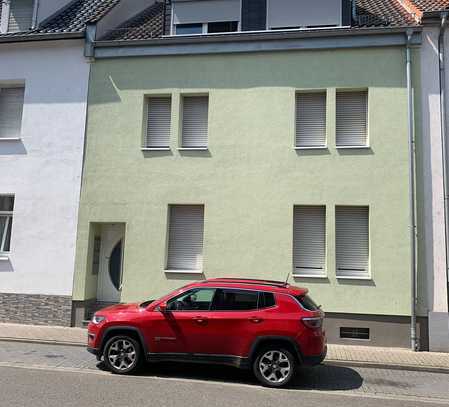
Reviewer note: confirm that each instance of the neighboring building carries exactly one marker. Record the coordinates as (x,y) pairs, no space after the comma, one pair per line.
(43,98)
(230,138)
(433,239)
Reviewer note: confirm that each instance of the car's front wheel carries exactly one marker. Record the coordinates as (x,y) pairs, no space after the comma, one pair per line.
(274,367)
(122,355)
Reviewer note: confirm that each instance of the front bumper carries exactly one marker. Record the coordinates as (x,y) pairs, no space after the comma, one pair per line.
(94,351)
(314,360)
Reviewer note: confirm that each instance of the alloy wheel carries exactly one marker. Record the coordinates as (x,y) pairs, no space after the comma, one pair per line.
(122,354)
(275,366)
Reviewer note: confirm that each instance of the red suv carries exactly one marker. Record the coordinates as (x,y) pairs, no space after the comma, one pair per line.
(268,326)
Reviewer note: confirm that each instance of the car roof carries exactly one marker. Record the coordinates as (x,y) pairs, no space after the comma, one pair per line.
(254,284)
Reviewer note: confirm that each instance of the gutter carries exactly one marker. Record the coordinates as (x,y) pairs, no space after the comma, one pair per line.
(41,37)
(257,36)
(444,143)
(414,343)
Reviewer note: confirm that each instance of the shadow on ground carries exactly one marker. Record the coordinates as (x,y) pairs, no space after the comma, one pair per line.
(322,377)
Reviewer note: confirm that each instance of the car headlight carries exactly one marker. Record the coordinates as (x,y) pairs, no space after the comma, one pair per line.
(96,319)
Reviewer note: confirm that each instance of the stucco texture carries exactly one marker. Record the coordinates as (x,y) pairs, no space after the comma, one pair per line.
(251,177)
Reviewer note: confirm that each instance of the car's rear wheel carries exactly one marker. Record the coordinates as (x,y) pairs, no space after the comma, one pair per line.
(274,367)
(122,355)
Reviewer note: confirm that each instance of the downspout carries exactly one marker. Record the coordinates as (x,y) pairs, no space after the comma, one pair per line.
(444,144)
(411,144)
(35,14)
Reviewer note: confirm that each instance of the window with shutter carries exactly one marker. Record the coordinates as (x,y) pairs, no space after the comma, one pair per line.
(185,237)
(309,240)
(158,122)
(195,112)
(352,241)
(11,107)
(20,15)
(6,212)
(352,119)
(254,15)
(311,120)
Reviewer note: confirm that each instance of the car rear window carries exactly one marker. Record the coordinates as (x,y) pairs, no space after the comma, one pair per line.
(234,300)
(307,302)
(266,300)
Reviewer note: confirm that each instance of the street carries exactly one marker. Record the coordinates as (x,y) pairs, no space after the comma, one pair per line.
(55,375)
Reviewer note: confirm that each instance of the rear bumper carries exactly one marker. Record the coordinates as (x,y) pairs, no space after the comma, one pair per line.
(314,360)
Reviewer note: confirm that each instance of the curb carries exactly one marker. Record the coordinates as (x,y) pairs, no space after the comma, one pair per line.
(43,341)
(389,366)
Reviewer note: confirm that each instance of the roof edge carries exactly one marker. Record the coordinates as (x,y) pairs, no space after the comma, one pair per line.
(41,37)
(263,35)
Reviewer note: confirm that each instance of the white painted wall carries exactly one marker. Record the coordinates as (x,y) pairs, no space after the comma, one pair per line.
(432,161)
(43,169)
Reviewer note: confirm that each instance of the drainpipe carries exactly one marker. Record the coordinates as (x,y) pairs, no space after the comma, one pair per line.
(35,13)
(444,144)
(411,144)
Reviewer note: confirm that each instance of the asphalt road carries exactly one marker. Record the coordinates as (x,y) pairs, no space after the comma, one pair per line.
(45,375)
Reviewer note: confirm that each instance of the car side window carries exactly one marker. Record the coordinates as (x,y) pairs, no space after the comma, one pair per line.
(235,300)
(266,300)
(194,300)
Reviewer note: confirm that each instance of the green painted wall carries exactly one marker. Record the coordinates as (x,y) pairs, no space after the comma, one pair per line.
(251,176)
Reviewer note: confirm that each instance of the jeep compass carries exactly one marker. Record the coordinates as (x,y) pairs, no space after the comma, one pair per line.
(270,327)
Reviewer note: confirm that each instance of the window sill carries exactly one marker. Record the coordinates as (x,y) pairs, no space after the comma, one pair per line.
(308,276)
(155,149)
(193,149)
(4,257)
(352,147)
(183,271)
(10,138)
(311,148)
(354,278)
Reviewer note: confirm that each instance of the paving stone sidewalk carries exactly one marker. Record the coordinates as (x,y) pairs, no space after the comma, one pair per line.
(344,354)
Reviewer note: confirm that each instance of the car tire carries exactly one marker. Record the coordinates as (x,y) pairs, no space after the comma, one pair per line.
(274,366)
(122,355)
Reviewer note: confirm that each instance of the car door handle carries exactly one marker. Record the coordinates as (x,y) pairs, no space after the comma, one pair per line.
(256,320)
(200,320)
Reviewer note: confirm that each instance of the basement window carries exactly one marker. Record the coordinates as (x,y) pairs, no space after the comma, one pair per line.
(354,333)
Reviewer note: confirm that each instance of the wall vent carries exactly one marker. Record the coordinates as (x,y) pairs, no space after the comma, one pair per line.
(354,333)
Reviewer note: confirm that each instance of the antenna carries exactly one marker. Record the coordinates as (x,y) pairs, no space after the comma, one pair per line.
(288,275)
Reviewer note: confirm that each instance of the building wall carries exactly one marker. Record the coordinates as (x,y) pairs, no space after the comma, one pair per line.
(251,176)
(431,195)
(43,168)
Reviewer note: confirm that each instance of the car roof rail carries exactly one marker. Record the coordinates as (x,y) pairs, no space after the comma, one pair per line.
(255,281)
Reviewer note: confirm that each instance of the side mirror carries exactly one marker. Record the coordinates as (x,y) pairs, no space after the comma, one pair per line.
(163,307)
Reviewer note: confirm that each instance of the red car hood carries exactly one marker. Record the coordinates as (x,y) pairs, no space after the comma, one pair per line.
(120,308)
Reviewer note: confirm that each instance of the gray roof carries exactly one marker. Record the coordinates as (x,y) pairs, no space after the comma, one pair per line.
(71,19)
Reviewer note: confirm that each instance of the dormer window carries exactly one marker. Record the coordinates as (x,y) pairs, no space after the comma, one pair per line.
(16,15)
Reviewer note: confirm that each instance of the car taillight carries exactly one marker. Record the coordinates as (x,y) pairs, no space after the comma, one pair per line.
(312,322)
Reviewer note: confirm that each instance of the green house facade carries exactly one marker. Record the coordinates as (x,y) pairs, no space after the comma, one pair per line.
(287,163)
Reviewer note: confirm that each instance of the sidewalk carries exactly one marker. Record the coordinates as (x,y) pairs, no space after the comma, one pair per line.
(337,354)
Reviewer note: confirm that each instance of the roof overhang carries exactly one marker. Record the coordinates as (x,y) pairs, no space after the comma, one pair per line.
(259,42)
(8,38)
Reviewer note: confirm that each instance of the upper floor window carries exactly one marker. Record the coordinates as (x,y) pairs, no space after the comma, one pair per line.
(158,122)
(6,212)
(17,15)
(195,122)
(185,29)
(11,108)
(352,118)
(311,120)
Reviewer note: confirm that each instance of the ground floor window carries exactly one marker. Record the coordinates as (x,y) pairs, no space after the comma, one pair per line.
(6,214)
(185,237)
